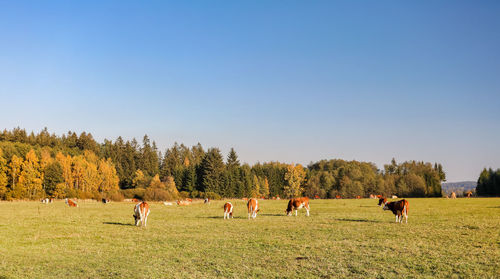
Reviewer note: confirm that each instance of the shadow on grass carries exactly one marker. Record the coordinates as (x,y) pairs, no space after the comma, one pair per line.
(494,206)
(358,220)
(117,224)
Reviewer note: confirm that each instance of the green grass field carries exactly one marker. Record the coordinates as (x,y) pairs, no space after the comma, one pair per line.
(342,238)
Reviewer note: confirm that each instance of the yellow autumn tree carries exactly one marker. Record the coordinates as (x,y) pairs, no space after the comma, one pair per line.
(108,179)
(294,177)
(156,190)
(30,178)
(65,162)
(171,189)
(45,158)
(139,180)
(3,175)
(255,193)
(14,172)
(264,187)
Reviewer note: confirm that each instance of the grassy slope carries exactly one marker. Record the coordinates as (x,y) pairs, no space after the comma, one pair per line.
(444,238)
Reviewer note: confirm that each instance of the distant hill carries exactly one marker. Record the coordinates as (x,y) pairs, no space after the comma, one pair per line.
(458,187)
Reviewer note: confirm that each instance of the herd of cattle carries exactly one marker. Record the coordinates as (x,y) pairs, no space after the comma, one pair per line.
(399,208)
(142,210)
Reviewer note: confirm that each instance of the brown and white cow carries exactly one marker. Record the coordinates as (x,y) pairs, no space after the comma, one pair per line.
(141,213)
(71,203)
(228,210)
(183,202)
(253,208)
(296,204)
(399,208)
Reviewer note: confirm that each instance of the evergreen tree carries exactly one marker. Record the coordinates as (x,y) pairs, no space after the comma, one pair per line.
(53,177)
(212,169)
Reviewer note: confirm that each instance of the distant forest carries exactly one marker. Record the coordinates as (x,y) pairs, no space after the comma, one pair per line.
(488,183)
(40,165)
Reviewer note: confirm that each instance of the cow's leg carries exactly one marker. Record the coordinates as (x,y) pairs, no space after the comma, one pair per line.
(296,210)
(396,218)
(307,210)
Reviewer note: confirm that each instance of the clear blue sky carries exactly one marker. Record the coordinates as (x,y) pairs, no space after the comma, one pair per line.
(293,81)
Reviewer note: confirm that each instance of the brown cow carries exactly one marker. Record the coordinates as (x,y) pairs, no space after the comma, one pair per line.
(71,203)
(184,202)
(141,213)
(253,208)
(399,208)
(228,210)
(296,204)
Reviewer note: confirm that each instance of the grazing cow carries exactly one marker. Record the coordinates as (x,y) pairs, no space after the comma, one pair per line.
(207,200)
(135,200)
(358,197)
(316,197)
(228,210)
(51,200)
(372,196)
(185,202)
(253,208)
(71,203)
(46,200)
(469,194)
(141,213)
(338,197)
(394,197)
(453,195)
(296,204)
(399,208)
(379,196)
(105,201)
(168,203)
(278,198)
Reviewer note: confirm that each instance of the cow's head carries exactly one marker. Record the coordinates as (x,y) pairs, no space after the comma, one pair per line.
(386,207)
(288,212)
(382,201)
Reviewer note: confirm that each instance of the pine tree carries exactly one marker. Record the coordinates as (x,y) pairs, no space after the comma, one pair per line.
(232,159)
(212,168)
(53,176)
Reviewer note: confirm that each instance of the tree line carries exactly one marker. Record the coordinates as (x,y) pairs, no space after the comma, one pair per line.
(488,183)
(42,164)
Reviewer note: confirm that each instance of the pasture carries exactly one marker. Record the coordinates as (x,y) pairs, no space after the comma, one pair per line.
(342,238)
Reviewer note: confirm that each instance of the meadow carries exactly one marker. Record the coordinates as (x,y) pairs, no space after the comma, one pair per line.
(444,238)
